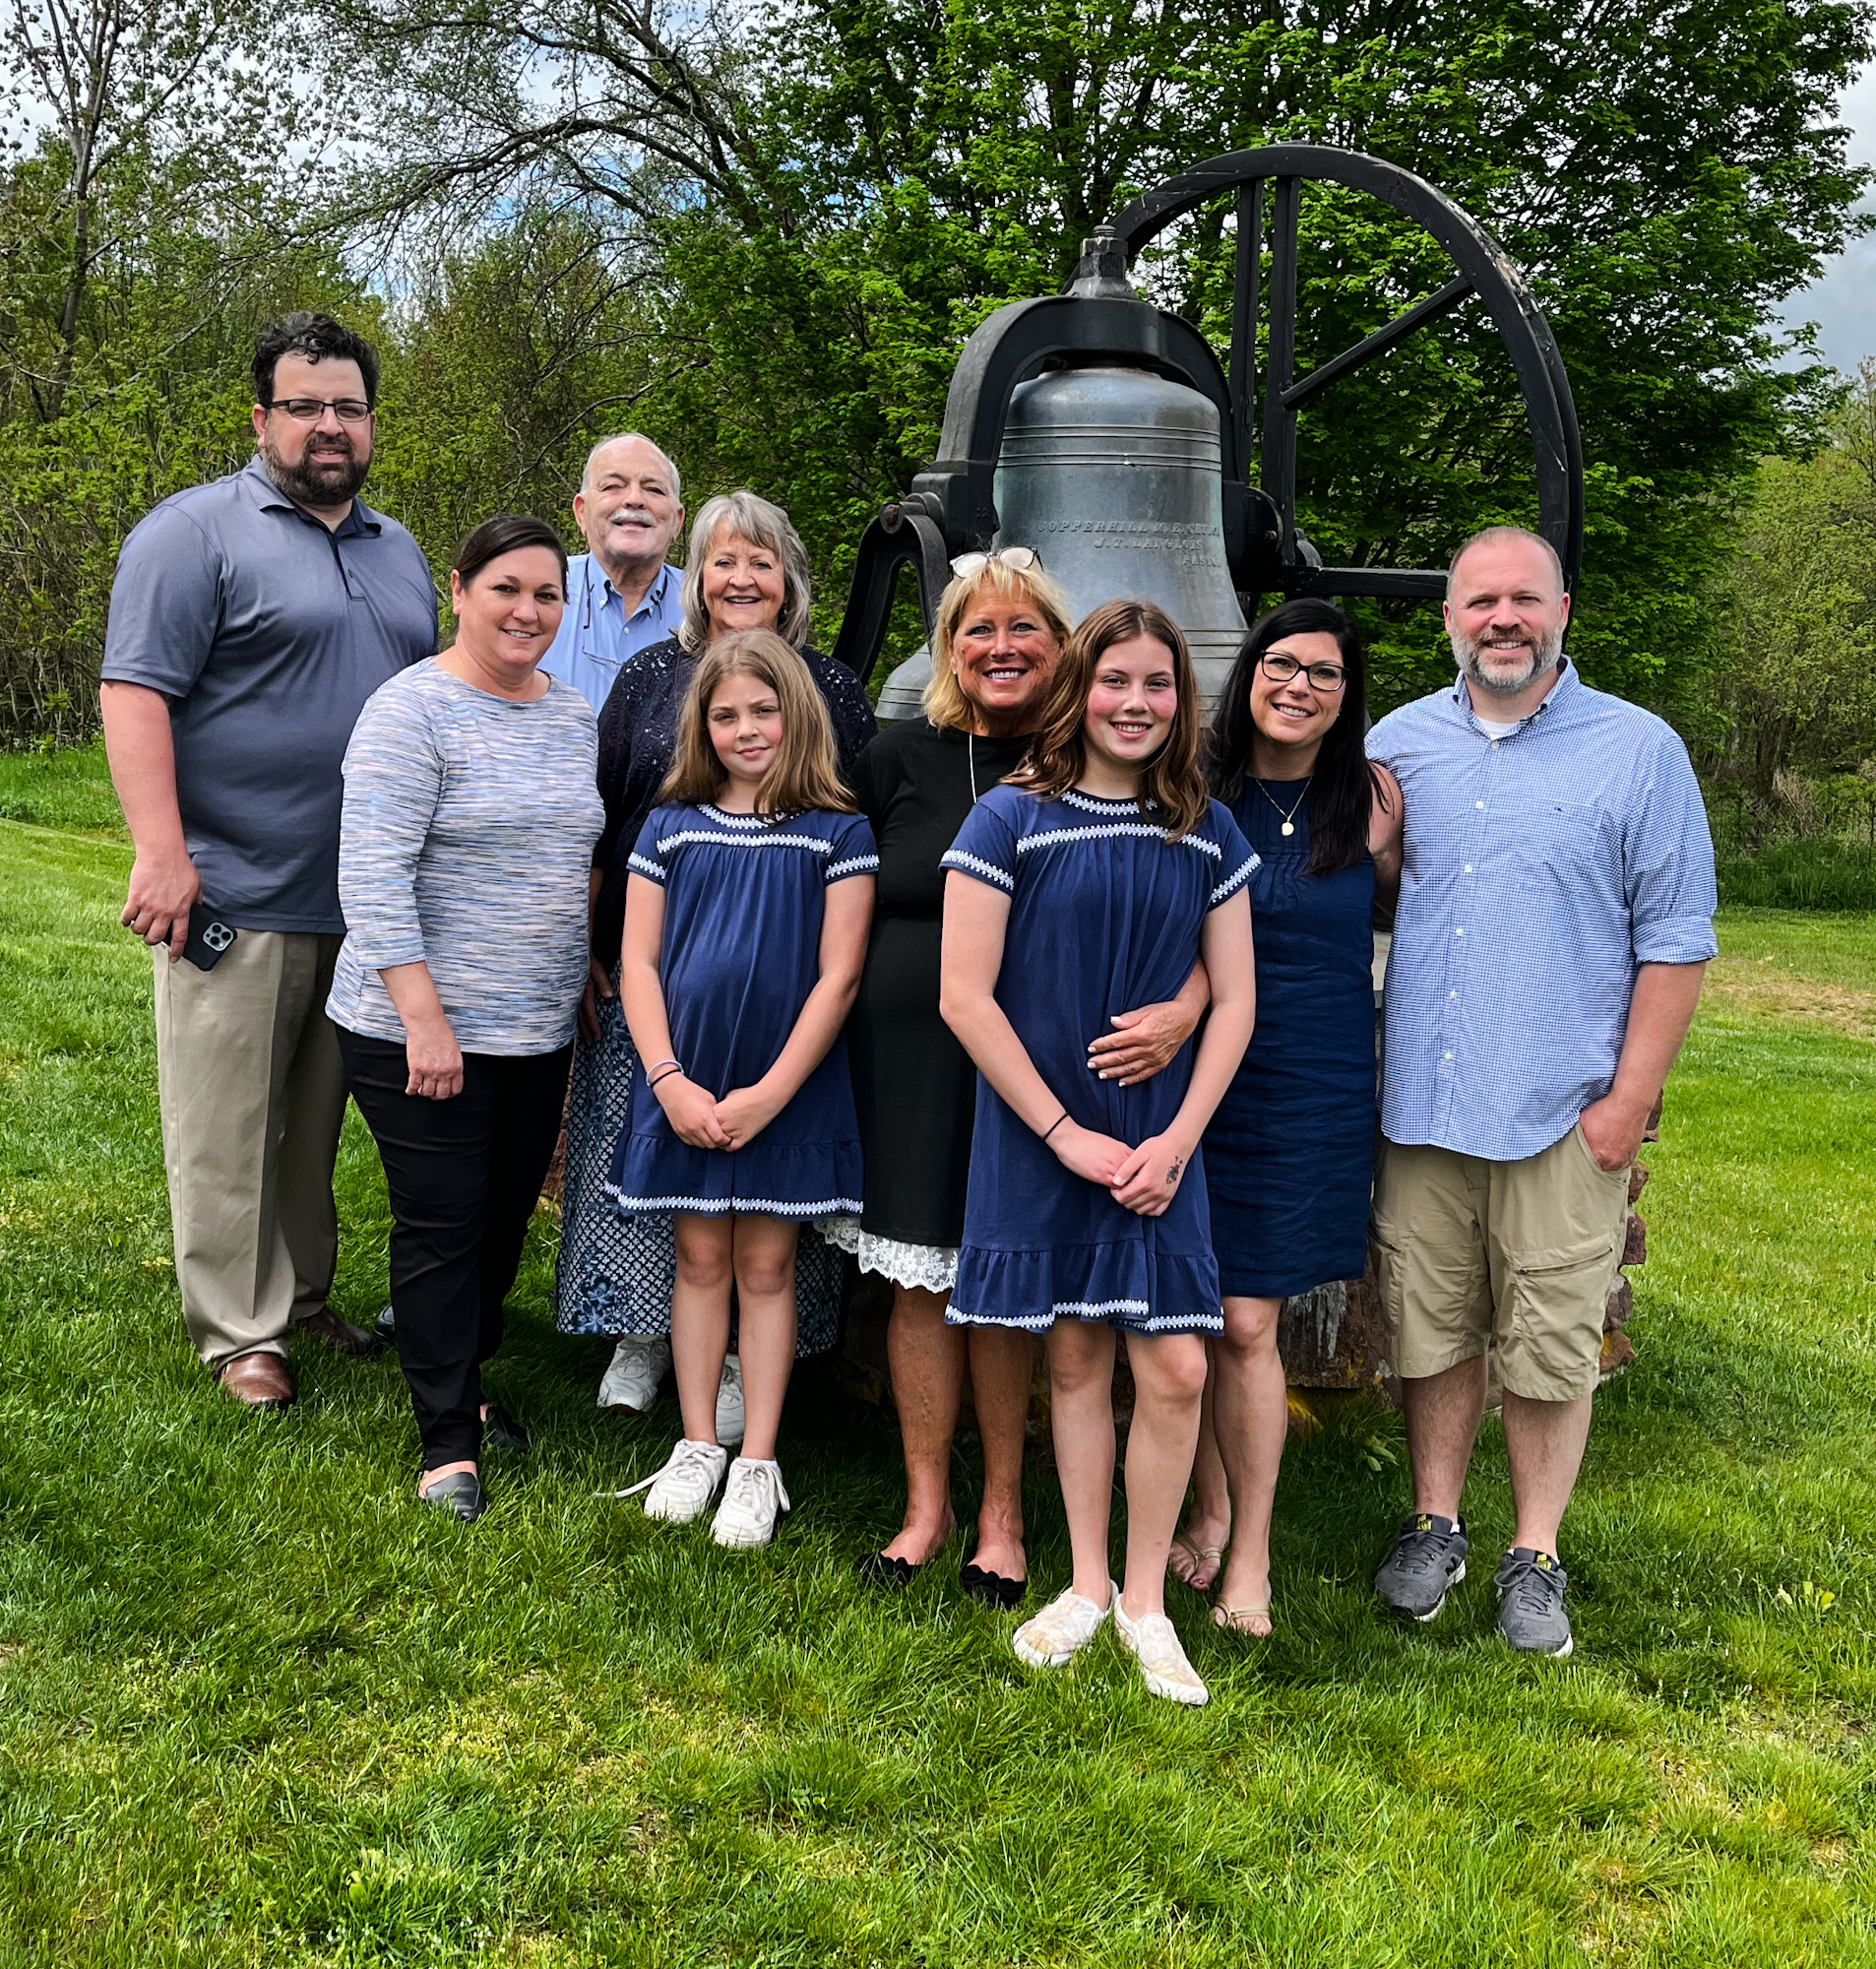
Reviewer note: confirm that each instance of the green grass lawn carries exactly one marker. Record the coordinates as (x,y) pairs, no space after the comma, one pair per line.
(256,1707)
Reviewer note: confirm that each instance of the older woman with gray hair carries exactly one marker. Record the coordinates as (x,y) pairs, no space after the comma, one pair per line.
(746,569)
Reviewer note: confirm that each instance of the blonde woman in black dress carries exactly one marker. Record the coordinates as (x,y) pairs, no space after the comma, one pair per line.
(1000,628)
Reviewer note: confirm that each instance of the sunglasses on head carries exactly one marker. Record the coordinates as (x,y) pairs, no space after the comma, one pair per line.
(1021,558)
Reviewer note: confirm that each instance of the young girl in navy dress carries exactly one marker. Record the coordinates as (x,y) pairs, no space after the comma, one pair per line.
(746,915)
(1088,883)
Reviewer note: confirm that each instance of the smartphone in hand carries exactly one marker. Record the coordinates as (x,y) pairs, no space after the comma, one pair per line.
(210,938)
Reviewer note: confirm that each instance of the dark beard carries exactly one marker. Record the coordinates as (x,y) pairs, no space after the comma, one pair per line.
(307,486)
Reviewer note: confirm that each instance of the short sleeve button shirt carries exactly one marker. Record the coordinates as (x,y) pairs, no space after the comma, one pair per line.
(267,631)
(596,639)
(1542,869)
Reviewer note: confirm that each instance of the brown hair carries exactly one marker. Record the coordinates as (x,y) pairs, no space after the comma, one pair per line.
(1172,779)
(806,772)
(945,701)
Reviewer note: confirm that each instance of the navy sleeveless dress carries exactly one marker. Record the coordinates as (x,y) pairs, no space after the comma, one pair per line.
(1289,1155)
(743,903)
(1106,913)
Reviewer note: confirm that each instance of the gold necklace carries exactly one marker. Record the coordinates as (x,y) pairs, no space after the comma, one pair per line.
(1290,818)
(970,754)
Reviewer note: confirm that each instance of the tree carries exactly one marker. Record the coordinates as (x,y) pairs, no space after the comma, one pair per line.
(1791,685)
(827,206)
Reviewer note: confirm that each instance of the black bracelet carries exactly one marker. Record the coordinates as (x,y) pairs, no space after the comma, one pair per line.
(665,1075)
(1054,1125)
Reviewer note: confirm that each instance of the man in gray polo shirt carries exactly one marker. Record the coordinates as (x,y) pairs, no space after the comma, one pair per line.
(250,620)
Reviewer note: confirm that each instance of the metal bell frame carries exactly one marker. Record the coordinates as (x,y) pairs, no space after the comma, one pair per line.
(950,509)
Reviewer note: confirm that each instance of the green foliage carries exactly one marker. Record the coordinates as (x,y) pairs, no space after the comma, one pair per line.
(256,1707)
(764,239)
(155,398)
(69,789)
(1800,876)
(1792,683)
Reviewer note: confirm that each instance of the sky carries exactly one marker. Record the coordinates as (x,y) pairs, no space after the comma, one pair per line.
(1842,301)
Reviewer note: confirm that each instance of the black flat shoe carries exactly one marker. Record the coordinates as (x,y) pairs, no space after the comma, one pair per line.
(877,1570)
(989,1587)
(500,1431)
(385,1328)
(459,1493)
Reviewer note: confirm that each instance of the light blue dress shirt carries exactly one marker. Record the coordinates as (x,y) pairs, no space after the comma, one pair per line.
(1542,869)
(597,638)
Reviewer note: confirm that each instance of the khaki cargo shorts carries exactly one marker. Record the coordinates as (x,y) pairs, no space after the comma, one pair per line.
(1522,1253)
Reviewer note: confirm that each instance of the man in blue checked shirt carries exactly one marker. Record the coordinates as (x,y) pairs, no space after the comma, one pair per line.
(1554,923)
(622,594)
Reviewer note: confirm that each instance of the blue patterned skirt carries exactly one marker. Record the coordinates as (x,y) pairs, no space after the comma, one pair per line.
(615,1271)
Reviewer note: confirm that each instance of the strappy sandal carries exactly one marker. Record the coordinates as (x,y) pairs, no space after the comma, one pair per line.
(1237,1619)
(1196,1556)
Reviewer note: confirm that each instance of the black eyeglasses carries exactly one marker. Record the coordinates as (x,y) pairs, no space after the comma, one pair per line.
(309,410)
(1280,668)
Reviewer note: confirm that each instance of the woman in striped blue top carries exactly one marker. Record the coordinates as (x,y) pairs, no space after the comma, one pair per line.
(470,818)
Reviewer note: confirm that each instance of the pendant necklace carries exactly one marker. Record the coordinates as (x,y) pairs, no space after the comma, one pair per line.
(1290,818)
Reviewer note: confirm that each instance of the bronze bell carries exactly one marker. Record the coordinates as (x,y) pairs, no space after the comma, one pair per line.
(1113,475)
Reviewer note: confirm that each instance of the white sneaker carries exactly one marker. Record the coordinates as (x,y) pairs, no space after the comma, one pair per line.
(730,1410)
(1155,1645)
(1062,1629)
(636,1367)
(683,1488)
(753,1499)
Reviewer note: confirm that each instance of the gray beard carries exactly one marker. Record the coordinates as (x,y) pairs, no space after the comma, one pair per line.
(1544,654)
(307,487)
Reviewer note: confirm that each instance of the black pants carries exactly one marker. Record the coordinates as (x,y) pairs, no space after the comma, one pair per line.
(464,1176)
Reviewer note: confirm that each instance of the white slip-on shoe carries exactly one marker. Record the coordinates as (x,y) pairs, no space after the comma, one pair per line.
(682,1491)
(1062,1629)
(1153,1643)
(754,1497)
(632,1378)
(730,1410)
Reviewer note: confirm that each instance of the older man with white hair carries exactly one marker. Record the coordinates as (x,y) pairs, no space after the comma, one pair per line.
(1554,923)
(622,596)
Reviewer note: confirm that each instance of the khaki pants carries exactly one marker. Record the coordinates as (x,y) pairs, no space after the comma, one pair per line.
(1469,1252)
(252,1093)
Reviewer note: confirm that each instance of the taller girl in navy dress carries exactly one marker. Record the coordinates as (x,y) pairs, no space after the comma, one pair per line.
(746,916)
(1088,883)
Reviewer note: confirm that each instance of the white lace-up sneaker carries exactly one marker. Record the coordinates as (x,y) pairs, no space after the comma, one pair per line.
(1062,1629)
(682,1491)
(636,1367)
(730,1410)
(753,1499)
(1153,1643)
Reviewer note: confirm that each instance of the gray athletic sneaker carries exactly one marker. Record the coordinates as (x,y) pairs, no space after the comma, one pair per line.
(1530,1613)
(1427,1562)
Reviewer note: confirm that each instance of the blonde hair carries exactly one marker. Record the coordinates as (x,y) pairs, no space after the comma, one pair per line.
(746,516)
(1172,779)
(806,771)
(945,699)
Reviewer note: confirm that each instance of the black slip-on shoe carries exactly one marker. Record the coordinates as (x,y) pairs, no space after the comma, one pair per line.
(500,1431)
(460,1494)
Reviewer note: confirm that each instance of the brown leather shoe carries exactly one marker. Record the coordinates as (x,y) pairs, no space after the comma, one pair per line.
(339,1334)
(261,1380)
